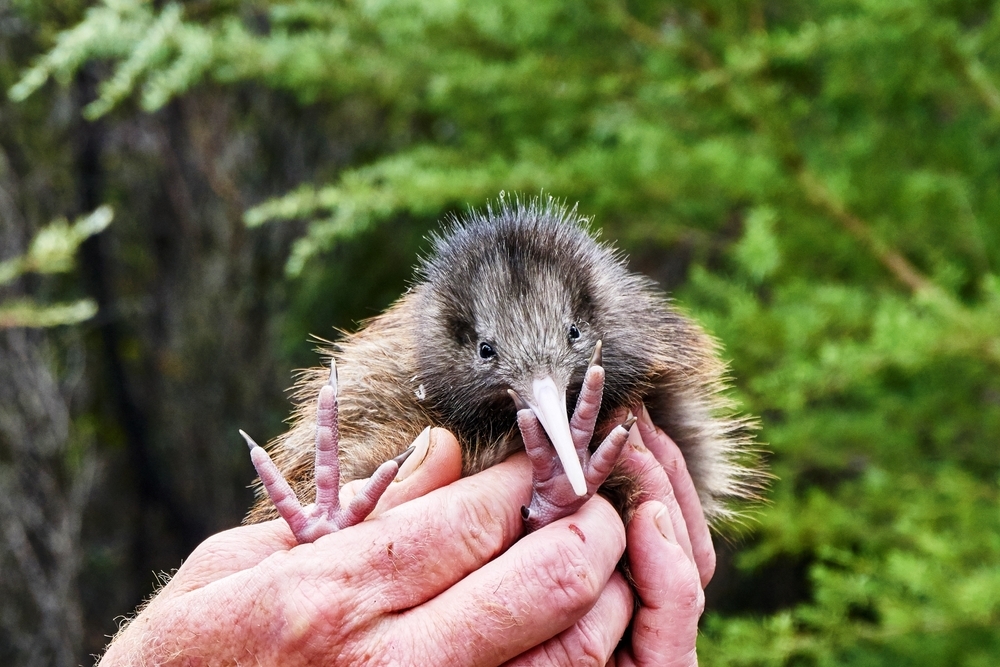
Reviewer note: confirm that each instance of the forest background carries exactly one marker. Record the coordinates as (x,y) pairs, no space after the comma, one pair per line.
(816,181)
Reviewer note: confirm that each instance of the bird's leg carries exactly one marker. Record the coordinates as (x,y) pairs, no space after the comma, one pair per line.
(552,494)
(326,514)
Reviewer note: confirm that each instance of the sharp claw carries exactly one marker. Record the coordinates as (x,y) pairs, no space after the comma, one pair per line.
(518,401)
(629,421)
(596,358)
(405,455)
(333,375)
(250,443)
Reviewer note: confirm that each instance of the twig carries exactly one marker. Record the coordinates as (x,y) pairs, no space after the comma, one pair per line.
(819,195)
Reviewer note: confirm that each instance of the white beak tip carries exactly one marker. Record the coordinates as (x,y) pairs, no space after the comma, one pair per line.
(549,405)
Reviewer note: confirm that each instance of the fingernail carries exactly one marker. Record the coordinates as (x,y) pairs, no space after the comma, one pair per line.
(666,526)
(644,416)
(420,448)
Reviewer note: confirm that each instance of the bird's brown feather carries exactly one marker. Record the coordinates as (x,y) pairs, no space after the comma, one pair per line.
(652,354)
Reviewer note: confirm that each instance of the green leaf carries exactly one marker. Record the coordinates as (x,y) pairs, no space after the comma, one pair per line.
(28,313)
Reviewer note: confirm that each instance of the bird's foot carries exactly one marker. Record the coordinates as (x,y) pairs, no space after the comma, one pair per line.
(552,494)
(326,515)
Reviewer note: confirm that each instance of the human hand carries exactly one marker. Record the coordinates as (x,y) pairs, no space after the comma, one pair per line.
(685,506)
(246,593)
(670,557)
(439,580)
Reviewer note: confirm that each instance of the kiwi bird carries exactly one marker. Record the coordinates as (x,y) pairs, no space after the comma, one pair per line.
(519,325)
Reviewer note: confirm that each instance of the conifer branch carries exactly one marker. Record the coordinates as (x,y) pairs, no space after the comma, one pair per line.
(815,190)
(971,69)
(654,39)
(819,195)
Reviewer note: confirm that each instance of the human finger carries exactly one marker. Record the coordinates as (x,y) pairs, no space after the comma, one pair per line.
(653,483)
(228,552)
(435,462)
(591,640)
(668,585)
(538,588)
(429,543)
(670,457)
(341,589)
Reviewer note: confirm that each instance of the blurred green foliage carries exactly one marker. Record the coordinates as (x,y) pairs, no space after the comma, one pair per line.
(51,251)
(829,169)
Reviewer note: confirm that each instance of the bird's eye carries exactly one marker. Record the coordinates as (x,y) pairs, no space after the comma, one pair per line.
(574,333)
(486,351)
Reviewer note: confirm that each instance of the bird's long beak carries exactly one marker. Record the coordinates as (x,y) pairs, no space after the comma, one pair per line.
(548,402)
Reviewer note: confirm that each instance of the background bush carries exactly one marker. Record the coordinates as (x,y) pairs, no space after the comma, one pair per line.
(817,182)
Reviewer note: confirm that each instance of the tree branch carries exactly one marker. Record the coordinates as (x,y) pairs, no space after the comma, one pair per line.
(820,196)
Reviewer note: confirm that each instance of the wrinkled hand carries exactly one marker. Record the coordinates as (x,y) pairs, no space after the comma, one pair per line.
(439,580)
(671,559)
(442,579)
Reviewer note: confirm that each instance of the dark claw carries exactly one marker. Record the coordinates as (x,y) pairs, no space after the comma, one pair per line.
(518,401)
(326,515)
(552,494)
(596,358)
(405,455)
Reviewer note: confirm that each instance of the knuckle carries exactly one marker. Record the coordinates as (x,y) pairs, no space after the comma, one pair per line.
(569,575)
(586,645)
(306,614)
(477,527)
(553,653)
(689,596)
(314,622)
(674,463)
(218,546)
(568,651)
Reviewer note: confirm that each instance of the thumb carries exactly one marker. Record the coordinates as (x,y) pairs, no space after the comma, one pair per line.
(436,461)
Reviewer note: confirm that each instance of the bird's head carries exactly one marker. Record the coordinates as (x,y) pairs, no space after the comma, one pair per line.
(518,300)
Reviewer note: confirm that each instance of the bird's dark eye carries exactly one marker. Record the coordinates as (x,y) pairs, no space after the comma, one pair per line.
(574,333)
(486,351)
